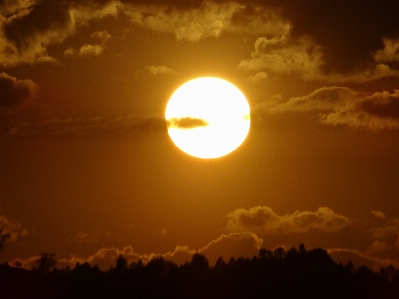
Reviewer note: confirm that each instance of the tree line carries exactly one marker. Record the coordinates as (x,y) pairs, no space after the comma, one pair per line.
(294,273)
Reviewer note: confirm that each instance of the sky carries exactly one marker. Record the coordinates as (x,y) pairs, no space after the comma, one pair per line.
(88,171)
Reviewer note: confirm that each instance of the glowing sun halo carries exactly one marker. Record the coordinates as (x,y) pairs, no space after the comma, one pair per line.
(208,117)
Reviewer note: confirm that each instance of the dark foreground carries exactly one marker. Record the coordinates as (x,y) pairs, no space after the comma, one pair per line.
(274,274)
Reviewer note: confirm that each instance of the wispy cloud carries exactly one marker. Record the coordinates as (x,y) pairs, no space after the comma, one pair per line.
(263,220)
(89,126)
(341,106)
(100,37)
(209,19)
(160,70)
(376,247)
(390,52)
(284,55)
(86,237)
(387,230)
(233,245)
(378,214)
(344,255)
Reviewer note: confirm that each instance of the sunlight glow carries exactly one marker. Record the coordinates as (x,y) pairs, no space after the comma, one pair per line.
(208,117)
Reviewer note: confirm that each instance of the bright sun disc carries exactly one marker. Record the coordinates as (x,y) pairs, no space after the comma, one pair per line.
(208,117)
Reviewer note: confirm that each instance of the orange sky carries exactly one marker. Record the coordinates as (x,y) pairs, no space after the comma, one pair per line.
(88,170)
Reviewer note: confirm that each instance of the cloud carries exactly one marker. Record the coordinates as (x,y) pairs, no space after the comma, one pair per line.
(344,255)
(34,25)
(283,55)
(389,230)
(263,220)
(85,11)
(259,76)
(186,123)
(208,19)
(226,246)
(14,91)
(348,35)
(101,37)
(256,19)
(341,106)
(286,55)
(378,214)
(390,52)
(375,112)
(89,126)
(27,33)
(9,7)
(323,99)
(84,237)
(27,263)
(12,228)
(384,231)
(303,49)
(160,70)
(85,50)
(91,50)
(374,71)
(376,247)
(191,25)
(232,245)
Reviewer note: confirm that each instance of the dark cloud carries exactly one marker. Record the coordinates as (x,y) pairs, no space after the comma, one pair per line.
(186,123)
(27,33)
(42,18)
(14,91)
(387,231)
(10,7)
(347,30)
(383,104)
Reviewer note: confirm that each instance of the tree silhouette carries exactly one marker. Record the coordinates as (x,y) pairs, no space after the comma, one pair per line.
(121,263)
(274,274)
(199,262)
(46,262)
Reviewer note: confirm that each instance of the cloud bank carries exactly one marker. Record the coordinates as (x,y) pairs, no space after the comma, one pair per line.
(263,220)
(226,246)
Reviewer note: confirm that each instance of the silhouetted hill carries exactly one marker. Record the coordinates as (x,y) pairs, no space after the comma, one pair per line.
(273,274)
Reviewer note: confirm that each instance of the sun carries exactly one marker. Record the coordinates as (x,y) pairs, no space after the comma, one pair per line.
(208,117)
